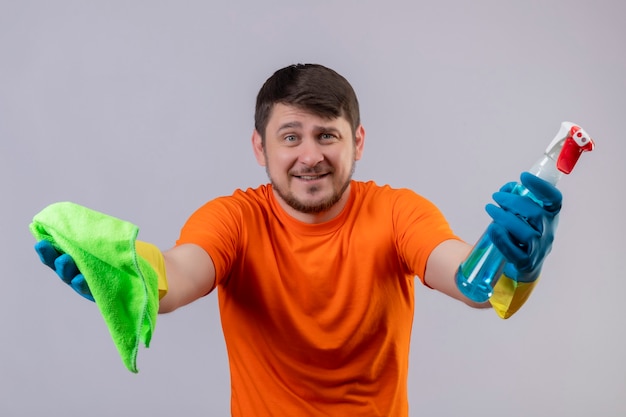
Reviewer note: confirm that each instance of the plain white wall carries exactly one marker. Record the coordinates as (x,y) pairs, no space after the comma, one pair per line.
(144,110)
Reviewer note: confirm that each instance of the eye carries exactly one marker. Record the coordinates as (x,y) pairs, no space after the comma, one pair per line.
(327,136)
(290,138)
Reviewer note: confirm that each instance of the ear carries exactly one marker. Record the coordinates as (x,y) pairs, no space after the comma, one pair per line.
(359,142)
(257,147)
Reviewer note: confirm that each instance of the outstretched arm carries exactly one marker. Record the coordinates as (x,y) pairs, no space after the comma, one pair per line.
(523,231)
(185,272)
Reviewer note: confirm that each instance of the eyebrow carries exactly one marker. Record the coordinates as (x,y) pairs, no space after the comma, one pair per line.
(298,125)
(289,125)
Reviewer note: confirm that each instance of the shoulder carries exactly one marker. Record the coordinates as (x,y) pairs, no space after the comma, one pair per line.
(402,206)
(225,217)
(371,192)
(249,199)
(232,211)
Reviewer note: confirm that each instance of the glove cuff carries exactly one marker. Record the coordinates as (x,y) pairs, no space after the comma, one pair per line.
(151,254)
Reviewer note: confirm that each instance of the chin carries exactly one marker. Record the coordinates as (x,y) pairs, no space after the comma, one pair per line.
(314,206)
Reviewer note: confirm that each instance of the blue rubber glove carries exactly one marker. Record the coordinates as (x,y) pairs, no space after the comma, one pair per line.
(523,229)
(64,266)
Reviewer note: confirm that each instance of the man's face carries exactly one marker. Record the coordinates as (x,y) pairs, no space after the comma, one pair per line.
(309,159)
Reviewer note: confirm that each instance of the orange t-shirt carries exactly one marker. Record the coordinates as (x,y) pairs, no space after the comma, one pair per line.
(317,317)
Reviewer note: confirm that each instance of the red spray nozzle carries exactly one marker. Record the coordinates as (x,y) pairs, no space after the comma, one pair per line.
(575,142)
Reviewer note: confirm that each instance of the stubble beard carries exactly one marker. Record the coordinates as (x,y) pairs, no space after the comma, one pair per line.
(311,208)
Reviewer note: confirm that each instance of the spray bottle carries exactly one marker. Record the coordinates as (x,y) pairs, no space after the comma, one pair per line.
(480,271)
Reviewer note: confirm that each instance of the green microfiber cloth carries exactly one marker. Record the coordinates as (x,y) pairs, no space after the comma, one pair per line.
(124,285)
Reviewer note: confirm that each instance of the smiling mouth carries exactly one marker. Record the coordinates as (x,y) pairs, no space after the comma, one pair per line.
(310,177)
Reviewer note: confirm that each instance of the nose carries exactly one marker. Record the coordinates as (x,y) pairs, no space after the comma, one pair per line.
(310,152)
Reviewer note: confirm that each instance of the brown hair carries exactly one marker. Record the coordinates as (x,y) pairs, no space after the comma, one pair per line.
(311,87)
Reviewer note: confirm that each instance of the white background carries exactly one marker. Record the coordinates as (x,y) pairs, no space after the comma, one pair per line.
(144,110)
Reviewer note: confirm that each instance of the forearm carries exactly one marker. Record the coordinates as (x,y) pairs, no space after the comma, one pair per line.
(442,266)
(190,275)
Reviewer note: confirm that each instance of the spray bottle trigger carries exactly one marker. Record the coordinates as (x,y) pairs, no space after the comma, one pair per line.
(577,142)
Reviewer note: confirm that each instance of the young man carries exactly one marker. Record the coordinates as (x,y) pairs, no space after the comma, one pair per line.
(315,271)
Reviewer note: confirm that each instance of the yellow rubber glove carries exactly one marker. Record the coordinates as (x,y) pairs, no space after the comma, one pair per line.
(510,295)
(153,255)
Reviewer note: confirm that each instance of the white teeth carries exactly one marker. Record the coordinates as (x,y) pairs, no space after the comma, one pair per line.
(307,177)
